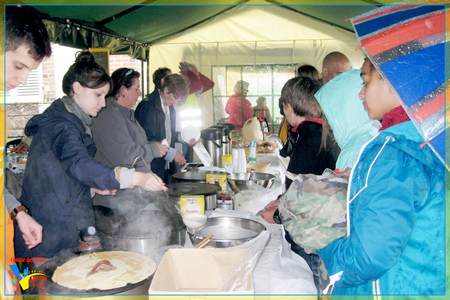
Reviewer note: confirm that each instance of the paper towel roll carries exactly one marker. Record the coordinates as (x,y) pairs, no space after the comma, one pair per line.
(242,161)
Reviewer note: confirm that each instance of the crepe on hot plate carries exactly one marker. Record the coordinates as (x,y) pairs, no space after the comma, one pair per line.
(130,267)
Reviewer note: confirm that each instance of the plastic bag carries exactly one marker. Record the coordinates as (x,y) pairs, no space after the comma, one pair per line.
(209,270)
(251,131)
(313,210)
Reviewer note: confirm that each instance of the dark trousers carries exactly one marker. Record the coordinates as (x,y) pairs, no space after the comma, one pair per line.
(312,260)
(158,166)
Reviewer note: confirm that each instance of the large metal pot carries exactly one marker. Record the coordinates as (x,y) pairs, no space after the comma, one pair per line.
(143,244)
(227,231)
(139,221)
(51,288)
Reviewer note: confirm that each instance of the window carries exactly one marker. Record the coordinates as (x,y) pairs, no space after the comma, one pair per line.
(264,80)
(31,92)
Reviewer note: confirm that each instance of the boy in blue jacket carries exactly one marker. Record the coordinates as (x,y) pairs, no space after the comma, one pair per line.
(396,209)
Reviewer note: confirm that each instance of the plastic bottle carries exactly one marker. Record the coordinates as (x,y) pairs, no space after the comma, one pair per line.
(89,241)
(252,152)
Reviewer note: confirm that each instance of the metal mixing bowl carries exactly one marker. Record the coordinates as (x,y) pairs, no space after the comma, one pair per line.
(227,231)
(243,181)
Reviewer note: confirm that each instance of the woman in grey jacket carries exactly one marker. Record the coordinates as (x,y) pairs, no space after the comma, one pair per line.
(119,138)
(121,141)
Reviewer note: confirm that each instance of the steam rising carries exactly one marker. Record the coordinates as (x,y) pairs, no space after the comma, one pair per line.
(132,215)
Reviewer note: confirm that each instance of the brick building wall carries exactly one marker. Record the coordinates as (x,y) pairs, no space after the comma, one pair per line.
(20,113)
(18,116)
(48,79)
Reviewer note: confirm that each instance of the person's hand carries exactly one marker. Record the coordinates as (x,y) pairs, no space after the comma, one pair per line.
(30,229)
(346,172)
(104,192)
(21,148)
(269,210)
(192,142)
(163,149)
(149,182)
(179,159)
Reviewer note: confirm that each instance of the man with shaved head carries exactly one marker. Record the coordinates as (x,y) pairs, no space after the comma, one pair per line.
(333,64)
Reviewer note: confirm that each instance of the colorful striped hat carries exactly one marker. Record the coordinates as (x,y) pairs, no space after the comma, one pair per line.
(407,45)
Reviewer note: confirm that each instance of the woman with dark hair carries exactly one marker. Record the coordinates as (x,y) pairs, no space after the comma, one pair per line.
(314,148)
(304,71)
(61,170)
(156,114)
(308,71)
(119,138)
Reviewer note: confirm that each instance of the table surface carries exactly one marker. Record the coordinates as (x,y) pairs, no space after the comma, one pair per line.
(278,271)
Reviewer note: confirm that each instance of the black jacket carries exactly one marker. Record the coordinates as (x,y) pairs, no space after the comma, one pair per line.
(56,187)
(306,155)
(150,115)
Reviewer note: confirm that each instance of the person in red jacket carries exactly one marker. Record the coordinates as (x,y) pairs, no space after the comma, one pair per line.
(238,107)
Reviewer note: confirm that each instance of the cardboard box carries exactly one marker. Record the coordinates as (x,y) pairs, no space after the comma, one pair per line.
(208,270)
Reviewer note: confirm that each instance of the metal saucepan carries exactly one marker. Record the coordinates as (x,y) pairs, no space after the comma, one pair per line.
(147,231)
(244,181)
(147,246)
(52,288)
(227,231)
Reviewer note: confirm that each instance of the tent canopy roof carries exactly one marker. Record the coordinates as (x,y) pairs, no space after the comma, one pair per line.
(133,27)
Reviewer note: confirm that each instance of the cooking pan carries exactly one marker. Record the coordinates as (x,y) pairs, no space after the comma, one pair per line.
(196,188)
(192,188)
(52,288)
(227,231)
(194,175)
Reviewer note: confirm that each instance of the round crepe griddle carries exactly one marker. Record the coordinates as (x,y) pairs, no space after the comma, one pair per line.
(194,175)
(192,188)
(52,288)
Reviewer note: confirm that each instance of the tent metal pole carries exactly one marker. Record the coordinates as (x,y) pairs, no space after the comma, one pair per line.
(142,78)
(148,70)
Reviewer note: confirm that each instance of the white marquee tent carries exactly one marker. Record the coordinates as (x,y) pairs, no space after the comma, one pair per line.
(252,35)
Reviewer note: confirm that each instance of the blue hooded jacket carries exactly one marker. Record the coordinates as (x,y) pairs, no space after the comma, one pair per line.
(60,171)
(351,125)
(396,220)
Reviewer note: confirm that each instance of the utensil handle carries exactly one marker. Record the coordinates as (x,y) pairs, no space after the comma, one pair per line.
(183,168)
(203,242)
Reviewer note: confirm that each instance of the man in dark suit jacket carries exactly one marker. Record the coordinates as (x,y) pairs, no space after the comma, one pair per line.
(156,115)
